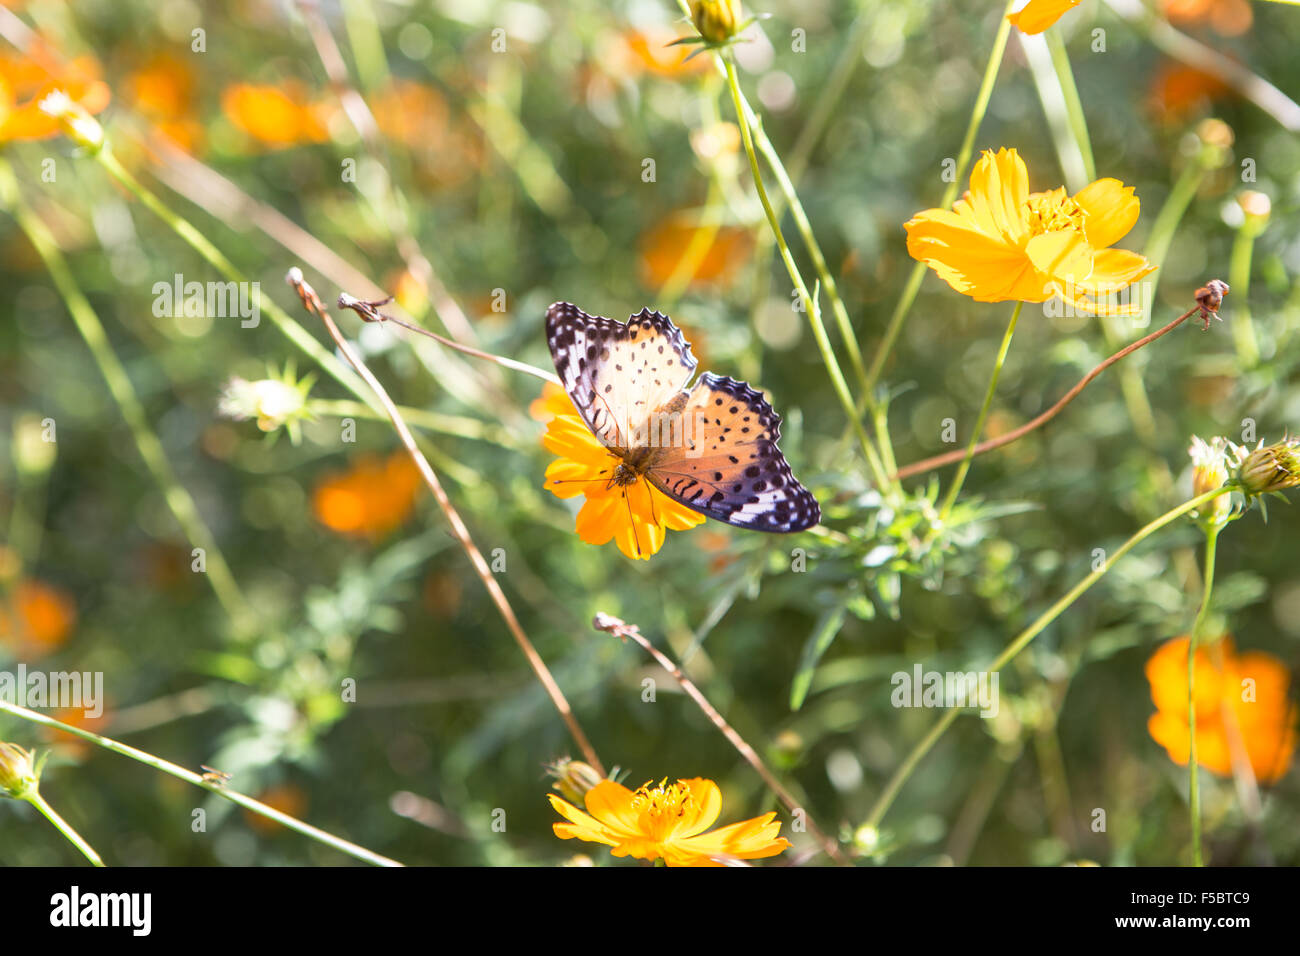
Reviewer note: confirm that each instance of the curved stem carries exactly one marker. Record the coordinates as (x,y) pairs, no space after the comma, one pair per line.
(150,448)
(1193,777)
(72,836)
(311,302)
(947,458)
(909,764)
(189,776)
(951,498)
(949,194)
(625,631)
(814,315)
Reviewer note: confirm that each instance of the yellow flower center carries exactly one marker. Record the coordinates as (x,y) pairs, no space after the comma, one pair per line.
(1053,213)
(662,808)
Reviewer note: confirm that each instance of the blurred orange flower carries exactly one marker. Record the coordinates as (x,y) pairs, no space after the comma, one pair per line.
(27,79)
(635,52)
(275,116)
(37,618)
(1178,91)
(69,745)
(447,149)
(667,822)
(1037,15)
(1227,18)
(1237,697)
(163,92)
(1001,242)
(288,798)
(663,246)
(370,499)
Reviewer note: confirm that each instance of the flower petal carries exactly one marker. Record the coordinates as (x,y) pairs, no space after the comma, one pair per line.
(599,519)
(707,800)
(999,186)
(1111,211)
(1064,255)
(1037,15)
(984,267)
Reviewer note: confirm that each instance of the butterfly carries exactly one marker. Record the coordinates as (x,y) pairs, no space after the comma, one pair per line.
(711,446)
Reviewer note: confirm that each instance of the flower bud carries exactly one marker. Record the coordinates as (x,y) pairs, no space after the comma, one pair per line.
(573,778)
(20,771)
(82,128)
(1212,463)
(1256,207)
(717,20)
(1270,468)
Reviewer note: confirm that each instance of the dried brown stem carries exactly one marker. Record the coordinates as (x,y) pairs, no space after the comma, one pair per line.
(314,305)
(612,625)
(948,458)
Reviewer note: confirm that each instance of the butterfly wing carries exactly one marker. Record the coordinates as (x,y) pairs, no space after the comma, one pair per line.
(730,468)
(618,373)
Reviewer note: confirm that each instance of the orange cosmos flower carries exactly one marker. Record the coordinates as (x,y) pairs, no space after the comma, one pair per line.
(635,52)
(37,619)
(1227,18)
(163,91)
(25,80)
(371,499)
(637,515)
(668,823)
(1002,243)
(1238,697)
(274,116)
(664,246)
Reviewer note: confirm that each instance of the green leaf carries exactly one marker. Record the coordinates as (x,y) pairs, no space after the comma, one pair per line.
(828,625)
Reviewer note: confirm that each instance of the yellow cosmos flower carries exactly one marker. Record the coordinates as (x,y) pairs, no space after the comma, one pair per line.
(667,822)
(636,516)
(1003,243)
(1037,15)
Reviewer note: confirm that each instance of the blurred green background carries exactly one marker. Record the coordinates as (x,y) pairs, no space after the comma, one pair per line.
(520,175)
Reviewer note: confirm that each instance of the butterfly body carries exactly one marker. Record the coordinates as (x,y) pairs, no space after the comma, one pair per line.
(711,445)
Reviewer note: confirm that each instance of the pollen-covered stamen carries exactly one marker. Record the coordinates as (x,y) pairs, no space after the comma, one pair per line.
(662,808)
(1053,213)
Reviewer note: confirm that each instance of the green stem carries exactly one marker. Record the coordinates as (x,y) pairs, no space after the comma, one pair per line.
(1193,777)
(456,425)
(248,803)
(210,253)
(814,314)
(904,771)
(949,194)
(1243,327)
(951,498)
(151,450)
(72,836)
(1073,105)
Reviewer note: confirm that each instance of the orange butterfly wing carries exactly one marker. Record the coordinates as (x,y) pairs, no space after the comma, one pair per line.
(723,460)
(731,468)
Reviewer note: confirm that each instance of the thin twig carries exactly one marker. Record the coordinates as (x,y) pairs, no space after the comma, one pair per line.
(312,303)
(363,120)
(612,625)
(947,458)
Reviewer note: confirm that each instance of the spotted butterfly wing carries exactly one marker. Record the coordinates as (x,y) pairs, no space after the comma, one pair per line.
(621,376)
(732,470)
(618,373)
